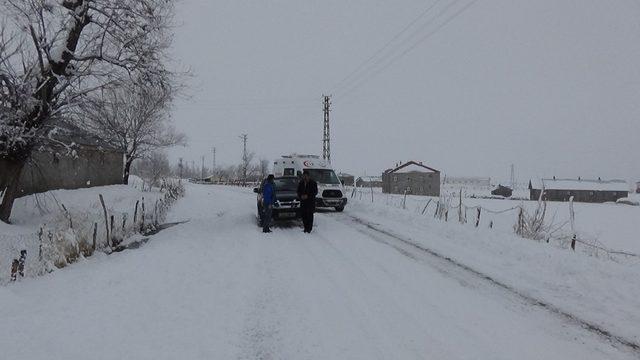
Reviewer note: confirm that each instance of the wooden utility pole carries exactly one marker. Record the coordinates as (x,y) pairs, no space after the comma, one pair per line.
(326,139)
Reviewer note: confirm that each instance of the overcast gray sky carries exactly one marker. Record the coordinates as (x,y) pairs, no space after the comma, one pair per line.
(552,86)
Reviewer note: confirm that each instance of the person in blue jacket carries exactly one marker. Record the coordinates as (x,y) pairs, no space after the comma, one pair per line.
(268,199)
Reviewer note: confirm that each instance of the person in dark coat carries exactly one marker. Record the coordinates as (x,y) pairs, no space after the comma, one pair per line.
(268,199)
(307,191)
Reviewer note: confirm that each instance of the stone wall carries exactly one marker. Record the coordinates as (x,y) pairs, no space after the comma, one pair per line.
(91,167)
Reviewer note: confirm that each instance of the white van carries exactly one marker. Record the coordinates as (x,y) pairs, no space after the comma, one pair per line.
(330,190)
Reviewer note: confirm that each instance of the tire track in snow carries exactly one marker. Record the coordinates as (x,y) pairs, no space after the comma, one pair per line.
(614,339)
(262,338)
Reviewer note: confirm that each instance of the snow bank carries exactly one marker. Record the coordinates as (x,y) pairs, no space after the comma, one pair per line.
(54,236)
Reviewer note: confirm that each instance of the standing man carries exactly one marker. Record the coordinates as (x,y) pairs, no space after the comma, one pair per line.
(268,199)
(307,191)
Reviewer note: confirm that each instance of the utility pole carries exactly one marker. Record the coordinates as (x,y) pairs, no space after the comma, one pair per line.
(202,169)
(513,177)
(326,139)
(244,159)
(213,163)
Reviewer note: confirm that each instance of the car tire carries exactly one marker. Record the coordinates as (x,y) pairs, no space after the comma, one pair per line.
(339,208)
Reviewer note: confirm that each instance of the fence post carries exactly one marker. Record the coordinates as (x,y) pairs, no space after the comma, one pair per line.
(95,234)
(478,217)
(135,212)
(572,217)
(40,233)
(106,217)
(404,199)
(68,215)
(425,207)
(21,262)
(520,221)
(142,216)
(111,231)
(460,208)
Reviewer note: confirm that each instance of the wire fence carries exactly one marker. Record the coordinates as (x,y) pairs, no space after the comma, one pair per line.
(545,229)
(71,236)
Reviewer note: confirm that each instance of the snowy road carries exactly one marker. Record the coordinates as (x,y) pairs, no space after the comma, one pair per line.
(217,288)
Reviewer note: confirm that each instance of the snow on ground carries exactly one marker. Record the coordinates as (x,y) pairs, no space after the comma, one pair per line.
(217,288)
(30,213)
(614,226)
(597,289)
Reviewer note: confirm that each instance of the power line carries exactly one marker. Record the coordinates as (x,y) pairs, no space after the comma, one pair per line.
(357,84)
(251,105)
(387,44)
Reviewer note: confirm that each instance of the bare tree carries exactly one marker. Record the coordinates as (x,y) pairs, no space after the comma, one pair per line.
(133,118)
(60,51)
(264,167)
(246,167)
(153,168)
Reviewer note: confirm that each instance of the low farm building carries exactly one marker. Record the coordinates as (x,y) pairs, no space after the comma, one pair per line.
(369,181)
(582,190)
(346,179)
(411,178)
(87,162)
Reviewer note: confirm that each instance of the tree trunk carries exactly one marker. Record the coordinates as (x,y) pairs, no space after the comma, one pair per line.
(9,182)
(127,170)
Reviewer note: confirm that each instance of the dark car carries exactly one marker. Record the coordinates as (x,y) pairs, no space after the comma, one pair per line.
(287,205)
(502,191)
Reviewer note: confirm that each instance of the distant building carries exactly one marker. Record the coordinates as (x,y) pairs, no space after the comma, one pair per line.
(88,162)
(582,190)
(346,179)
(467,181)
(369,181)
(413,178)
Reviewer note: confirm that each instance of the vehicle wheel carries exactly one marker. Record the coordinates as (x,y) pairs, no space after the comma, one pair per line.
(339,208)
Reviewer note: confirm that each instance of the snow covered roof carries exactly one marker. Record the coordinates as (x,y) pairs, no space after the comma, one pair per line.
(412,166)
(582,184)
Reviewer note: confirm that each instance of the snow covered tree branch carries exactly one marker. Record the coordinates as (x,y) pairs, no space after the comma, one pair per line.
(55,52)
(132,118)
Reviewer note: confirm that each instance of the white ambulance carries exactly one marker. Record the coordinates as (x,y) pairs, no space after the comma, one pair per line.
(331,194)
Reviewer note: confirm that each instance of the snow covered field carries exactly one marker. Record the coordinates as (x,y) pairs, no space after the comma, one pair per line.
(374,282)
(614,226)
